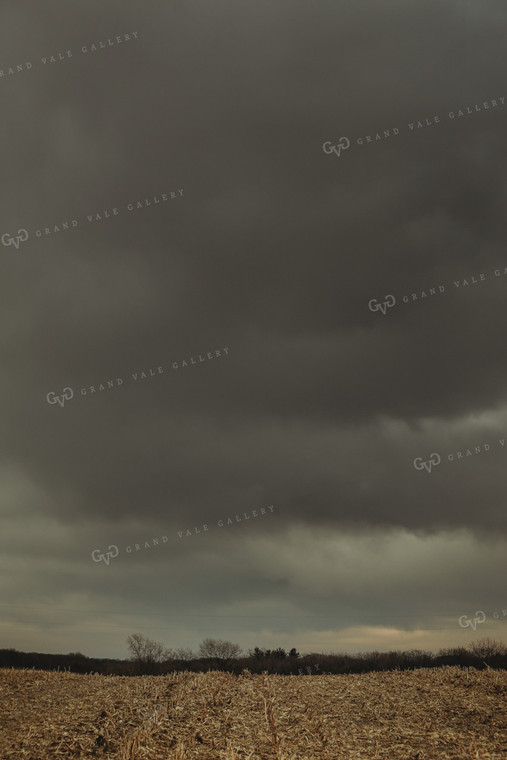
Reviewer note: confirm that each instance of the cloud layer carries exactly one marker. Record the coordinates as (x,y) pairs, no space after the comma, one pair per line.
(274,250)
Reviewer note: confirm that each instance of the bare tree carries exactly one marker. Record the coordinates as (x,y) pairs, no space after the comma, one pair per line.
(487,648)
(146,654)
(183,654)
(217,649)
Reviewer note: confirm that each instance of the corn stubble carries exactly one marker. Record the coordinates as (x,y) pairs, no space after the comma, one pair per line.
(412,715)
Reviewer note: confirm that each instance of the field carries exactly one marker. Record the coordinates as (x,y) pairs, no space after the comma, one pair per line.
(411,715)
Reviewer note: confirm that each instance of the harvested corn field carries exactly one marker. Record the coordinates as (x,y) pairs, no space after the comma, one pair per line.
(414,715)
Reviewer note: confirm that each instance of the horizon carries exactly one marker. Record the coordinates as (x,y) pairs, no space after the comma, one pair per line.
(245,655)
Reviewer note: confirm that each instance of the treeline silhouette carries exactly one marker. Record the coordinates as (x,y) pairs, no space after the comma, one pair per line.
(481,654)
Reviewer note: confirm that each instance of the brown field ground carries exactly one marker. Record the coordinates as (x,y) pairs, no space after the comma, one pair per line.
(411,715)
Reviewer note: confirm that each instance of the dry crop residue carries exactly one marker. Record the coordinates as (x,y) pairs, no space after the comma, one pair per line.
(412,715)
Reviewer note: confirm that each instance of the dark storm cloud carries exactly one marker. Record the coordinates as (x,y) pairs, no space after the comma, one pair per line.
(274,251)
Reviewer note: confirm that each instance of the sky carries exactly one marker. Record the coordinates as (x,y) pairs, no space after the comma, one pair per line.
(270,236)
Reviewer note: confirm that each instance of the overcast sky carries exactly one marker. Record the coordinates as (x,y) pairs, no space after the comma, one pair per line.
(241,261)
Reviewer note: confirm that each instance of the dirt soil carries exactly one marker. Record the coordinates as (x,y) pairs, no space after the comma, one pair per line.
(411,715)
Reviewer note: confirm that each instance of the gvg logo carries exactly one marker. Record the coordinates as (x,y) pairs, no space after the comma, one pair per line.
(112,552)
(67,395)
(388,303)
(343,144)
(157,712)
(465,622)
(433,461)
(15,240)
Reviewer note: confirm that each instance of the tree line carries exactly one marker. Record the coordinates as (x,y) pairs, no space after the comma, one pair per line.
(149,657)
